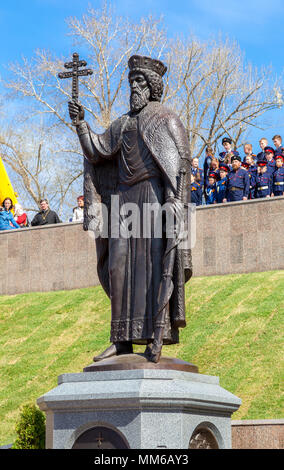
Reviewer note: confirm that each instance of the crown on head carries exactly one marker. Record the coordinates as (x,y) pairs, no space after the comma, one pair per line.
(142,62)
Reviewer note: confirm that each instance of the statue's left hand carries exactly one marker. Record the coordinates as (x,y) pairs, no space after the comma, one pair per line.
(175,210)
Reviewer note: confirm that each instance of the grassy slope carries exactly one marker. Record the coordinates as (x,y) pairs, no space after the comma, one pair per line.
(234,331)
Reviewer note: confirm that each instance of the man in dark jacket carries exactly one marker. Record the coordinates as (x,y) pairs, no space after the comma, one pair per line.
(45,216)
(238,184)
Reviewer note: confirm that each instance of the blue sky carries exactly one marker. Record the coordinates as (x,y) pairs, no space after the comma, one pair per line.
(257,25)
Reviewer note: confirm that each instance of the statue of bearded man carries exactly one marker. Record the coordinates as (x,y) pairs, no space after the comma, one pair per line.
(138,159)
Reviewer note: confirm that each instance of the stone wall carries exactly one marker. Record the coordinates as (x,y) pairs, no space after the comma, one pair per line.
(54,257)
(239,237)
(258,434)
(231,238)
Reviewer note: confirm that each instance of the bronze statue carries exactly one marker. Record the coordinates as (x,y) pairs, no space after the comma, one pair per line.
(142,158)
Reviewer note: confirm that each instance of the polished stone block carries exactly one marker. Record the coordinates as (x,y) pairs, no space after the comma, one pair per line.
(148,408)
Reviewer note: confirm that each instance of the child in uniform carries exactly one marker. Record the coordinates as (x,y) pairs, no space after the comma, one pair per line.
(252,171)
(248,152)
(278,177)
(225,157)
(269,156)
(263,180)
(221,185)
(210,190)
(196,191)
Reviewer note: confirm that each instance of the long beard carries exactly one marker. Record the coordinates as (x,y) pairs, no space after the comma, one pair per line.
(139,99)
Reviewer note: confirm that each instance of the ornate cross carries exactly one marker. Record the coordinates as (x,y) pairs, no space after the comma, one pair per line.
(74,74)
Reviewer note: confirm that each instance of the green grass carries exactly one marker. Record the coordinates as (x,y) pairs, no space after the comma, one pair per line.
(235,331)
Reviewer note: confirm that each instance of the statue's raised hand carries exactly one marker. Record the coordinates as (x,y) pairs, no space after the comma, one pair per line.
(76,112)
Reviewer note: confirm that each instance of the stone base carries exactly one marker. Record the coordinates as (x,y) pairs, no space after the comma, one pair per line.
(139,361)
(138,408)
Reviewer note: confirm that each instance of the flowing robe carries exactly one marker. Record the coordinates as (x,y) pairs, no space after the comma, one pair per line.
(138,159)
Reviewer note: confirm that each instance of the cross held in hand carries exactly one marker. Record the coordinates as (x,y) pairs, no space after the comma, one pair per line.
(75,73)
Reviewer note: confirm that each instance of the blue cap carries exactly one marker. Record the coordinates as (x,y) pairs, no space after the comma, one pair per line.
(225,167)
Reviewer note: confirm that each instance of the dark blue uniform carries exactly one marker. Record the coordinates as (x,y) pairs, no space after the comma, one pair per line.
(196,193)
(278,151)
(270,164)
(201,174)
(278,182)
(271,167)
(210,194)
(260,156)
(263,185)
(237,185)
(206,166)
(252,172)
(221,187)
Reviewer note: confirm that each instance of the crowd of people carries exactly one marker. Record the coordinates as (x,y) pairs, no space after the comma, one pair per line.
(230,177)
(225,178)
(12,217)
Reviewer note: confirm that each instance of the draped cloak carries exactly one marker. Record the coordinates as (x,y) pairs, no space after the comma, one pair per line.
(165,137)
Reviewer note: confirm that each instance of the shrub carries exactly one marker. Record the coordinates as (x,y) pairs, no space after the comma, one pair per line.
(30,428)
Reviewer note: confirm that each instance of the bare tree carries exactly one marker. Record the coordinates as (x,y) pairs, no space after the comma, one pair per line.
(107,41)
(110,41)
(41,167)
(216,92)
(208,84)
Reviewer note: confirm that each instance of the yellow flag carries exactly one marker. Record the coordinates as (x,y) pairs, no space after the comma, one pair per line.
(6,188)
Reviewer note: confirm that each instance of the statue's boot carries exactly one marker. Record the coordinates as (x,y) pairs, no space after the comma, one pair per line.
(116,349)
(148,350)
(153,351)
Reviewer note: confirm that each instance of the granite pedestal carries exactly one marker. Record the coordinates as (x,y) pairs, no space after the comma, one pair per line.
(138,408)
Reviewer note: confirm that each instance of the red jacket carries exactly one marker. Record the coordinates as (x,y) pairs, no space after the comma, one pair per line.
(21,219)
